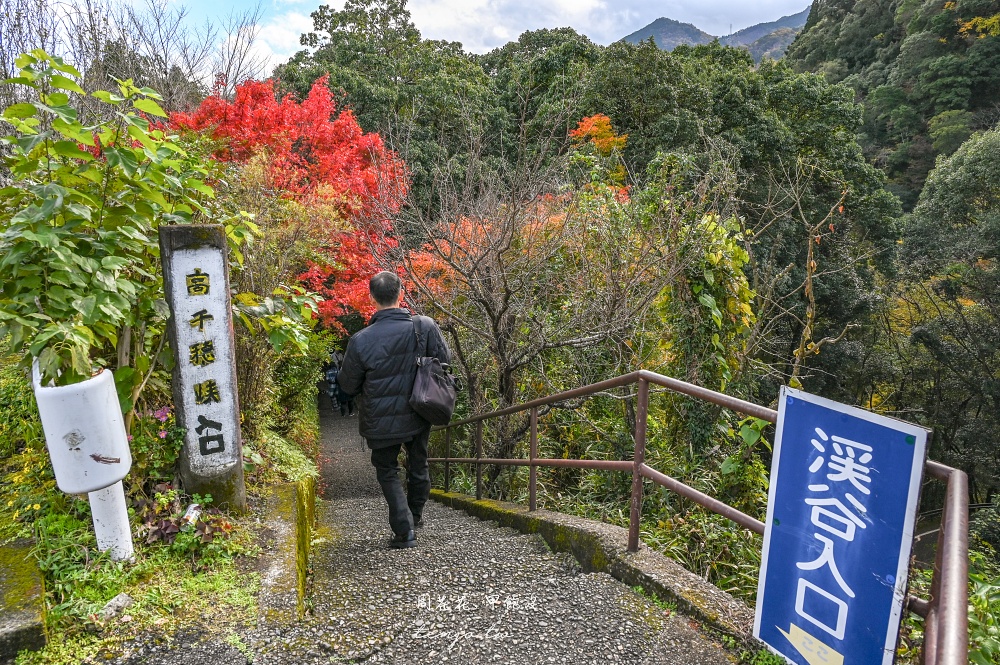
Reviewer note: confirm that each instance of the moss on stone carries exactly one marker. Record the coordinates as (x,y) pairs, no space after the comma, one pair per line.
(638,606)
(285,506)
(599,559)
(701,607)
(305,519)
(20,581)
(22,611)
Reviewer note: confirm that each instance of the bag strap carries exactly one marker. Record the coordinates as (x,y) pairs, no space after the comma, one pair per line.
(417,329)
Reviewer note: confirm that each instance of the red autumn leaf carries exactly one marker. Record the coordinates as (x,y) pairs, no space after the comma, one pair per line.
(318,156)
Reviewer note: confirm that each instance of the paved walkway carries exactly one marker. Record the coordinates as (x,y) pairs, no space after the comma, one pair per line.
(470,592)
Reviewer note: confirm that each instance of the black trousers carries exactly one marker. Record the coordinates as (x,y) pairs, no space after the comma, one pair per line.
(405,508)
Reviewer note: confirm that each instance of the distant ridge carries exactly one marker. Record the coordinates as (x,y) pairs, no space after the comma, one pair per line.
(772,45)
(748,36)
(769,39)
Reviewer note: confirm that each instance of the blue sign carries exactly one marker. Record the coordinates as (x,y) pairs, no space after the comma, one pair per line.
(840,513)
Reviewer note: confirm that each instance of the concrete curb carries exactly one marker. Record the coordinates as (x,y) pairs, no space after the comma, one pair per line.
(22,606)
(305,523)
(291,517)
(277,565)
(601,547)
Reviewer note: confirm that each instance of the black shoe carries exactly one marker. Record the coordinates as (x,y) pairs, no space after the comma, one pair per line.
(418,521)
(400,542)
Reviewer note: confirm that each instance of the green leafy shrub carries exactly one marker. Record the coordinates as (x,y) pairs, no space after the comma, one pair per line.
(80,580)
(27,491)
(80,260)
(19,425)
(984,611)
(984,614)
(710,546)
(984,531)
(296,379)
(277,460)
(195,530)
(155,442)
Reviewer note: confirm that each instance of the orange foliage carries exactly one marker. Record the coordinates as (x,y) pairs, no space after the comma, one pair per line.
(596,129)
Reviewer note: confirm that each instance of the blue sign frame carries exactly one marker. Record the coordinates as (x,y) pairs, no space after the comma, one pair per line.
(840,515)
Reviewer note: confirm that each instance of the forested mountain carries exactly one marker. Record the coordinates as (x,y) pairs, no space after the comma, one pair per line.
(669,34)
(927,72)
(823,232)
(768,135)
(772,45)
(573,212)
(928,76)
(764,39)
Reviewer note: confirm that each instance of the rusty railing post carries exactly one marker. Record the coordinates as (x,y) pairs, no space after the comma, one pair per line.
(532,454)
(641,412)
(447,456)
(929,652)
(951,596)
(479,456)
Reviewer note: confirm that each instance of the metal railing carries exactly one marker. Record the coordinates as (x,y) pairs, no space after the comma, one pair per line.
(945,613)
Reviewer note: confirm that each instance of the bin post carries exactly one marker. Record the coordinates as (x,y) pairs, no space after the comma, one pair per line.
(110,513)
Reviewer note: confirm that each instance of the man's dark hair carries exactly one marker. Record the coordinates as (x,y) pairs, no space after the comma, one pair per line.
(385,288)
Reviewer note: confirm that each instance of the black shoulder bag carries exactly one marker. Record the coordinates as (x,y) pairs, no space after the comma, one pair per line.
(434,388)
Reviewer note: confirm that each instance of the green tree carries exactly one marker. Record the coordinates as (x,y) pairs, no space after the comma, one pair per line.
(649,95)
(949,312)
(538,82)
(949,130)
(915,64)
(81,282)
(802,180)
(79,260)
(366,48)
(420,95)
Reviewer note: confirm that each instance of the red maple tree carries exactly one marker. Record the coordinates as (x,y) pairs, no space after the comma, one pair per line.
(343,280)
(315,154)
(312,149)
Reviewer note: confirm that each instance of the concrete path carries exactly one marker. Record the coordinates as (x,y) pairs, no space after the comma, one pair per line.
(470,592)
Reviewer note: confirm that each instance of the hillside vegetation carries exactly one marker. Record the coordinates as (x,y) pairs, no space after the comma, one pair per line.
(927,72)
(568,213)
(755,33)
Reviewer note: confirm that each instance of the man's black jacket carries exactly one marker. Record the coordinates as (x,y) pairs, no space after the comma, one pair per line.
(380,363)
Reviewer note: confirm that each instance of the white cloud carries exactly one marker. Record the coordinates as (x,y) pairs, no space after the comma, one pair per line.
(482,25)
(278,39)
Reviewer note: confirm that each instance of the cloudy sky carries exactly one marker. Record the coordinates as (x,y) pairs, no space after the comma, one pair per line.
(481,25)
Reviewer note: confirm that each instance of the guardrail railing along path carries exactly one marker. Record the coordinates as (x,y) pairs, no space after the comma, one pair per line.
(946,626)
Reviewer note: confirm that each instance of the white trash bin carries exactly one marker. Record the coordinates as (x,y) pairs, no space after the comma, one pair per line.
(84,432)
(86,439)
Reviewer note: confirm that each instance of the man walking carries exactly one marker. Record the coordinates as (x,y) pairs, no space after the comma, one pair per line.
(380,363)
